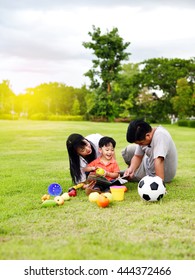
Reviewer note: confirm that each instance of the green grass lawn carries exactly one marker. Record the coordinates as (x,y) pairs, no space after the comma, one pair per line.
(33,155)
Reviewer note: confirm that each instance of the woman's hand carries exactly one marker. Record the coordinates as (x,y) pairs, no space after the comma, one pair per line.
(89,185)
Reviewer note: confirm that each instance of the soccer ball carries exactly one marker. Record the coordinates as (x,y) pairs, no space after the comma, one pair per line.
(151,188)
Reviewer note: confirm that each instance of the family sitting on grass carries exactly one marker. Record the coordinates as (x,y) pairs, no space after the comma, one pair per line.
(154,154)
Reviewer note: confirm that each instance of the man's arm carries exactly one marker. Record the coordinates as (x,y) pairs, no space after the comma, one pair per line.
(159,167)
(135,163)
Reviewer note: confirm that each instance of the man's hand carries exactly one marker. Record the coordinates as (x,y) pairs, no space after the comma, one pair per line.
(129,173)
(135,163)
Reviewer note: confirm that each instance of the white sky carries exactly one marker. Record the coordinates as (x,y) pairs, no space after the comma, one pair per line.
(41,41)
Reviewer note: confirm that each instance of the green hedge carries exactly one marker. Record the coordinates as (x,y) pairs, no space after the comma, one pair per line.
(188,123)
(8,117)
(41,116)
(191,123)
(38,116)
(65,118)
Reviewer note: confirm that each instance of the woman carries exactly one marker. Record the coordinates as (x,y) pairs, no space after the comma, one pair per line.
(81,151)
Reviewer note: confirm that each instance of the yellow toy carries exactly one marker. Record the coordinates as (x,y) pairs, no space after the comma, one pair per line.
(78,186)
(45,197)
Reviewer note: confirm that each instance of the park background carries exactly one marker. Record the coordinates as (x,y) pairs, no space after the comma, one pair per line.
(158,90)
(35,124)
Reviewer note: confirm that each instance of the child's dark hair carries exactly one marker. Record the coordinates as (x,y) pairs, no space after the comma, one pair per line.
(105,141)
(73,142)
(137,131)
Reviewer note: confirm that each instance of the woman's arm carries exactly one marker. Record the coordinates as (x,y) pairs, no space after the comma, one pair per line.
(89,168)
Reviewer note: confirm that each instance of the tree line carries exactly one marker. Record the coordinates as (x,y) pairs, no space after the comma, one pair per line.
(154,89)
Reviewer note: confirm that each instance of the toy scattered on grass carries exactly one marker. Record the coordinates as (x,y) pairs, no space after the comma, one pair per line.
(72,192)
(59,200)
(93,197)
(45,197)
(49,203)
(151,188)
(109,196)
(118,192)
(66,196)
(54,189)
(78,186)
(102,201)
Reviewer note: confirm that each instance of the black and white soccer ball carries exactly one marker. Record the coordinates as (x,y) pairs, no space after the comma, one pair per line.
(151,188)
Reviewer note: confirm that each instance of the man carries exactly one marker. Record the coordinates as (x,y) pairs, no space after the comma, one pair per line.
(154,153)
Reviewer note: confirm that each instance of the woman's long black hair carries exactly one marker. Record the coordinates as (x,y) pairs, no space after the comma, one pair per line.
(73,142)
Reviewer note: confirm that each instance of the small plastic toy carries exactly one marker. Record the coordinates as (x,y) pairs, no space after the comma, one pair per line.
(49,203)
(54,189)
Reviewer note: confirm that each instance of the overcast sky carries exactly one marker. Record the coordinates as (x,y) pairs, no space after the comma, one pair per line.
(41,41)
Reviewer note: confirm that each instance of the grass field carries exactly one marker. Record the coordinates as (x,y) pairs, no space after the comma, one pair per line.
(33,155)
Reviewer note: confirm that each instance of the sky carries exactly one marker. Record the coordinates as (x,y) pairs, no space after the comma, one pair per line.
(41,41)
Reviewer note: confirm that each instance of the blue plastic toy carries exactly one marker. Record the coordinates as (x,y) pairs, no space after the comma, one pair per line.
(54,189)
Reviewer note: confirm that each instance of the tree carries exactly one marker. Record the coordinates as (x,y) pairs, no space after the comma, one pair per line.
(75,108)
(7,98)
(183,101)
(126,89)
(163,74)
(109,50)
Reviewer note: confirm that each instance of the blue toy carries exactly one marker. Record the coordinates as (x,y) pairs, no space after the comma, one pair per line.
(54,189)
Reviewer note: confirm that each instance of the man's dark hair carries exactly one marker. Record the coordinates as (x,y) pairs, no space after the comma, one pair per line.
(105,141)
(137,131)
